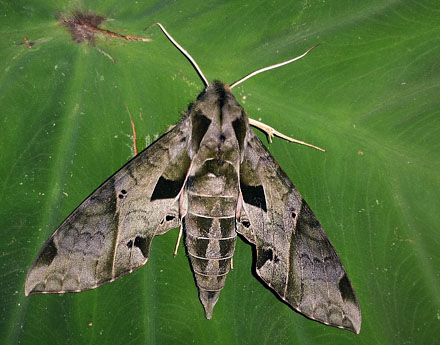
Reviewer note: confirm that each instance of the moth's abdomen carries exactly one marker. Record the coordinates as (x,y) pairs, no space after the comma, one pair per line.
(210,254)
(210,233)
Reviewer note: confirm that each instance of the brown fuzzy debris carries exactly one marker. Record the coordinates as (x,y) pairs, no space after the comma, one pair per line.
(85,27)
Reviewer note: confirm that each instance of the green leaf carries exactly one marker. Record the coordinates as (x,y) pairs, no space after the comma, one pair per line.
(369,95)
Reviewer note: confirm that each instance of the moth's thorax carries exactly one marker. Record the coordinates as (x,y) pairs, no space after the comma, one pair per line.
(219,124)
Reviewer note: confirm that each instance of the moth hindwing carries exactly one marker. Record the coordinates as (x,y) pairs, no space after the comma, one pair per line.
(212,176)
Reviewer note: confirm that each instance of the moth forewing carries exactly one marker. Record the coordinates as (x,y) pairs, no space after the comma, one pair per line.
(110,233)
(214,177)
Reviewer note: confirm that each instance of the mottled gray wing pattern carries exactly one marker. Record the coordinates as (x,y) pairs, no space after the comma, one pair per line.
(294,256)
(110,233)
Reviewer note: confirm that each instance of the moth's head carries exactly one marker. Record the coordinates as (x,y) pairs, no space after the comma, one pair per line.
(218,104)
(217,87)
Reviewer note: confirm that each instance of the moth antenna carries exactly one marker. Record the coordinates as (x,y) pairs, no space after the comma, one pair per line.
(183,51)
(261,70)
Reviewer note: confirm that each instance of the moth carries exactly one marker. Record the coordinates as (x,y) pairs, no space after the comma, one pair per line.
(213,177)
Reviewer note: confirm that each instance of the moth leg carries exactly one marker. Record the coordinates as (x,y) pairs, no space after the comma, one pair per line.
(179,237)
(271,132)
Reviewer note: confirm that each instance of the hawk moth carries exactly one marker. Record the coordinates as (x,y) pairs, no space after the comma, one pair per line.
(212,176)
